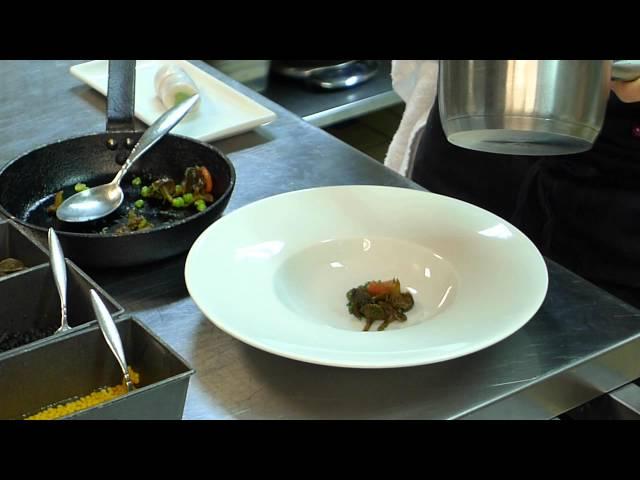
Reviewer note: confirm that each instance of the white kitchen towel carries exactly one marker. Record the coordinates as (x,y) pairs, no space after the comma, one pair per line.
(416,82)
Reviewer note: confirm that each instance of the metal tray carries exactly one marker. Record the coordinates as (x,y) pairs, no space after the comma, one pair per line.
(13,243)
(60,367)
(75,364)
(29,299)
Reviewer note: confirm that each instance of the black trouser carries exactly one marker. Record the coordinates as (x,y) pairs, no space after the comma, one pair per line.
(582,211)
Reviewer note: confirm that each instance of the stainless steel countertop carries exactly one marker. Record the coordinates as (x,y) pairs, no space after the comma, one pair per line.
(323,108)
(581,343)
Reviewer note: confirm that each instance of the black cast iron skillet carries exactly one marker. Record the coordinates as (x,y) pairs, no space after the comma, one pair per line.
(30,182)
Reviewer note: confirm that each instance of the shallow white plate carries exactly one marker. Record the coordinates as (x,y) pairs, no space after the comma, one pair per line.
(274,274)
(223,111)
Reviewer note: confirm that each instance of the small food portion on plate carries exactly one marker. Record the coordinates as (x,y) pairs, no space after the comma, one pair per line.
(379,301)
(222,111)
(173,85)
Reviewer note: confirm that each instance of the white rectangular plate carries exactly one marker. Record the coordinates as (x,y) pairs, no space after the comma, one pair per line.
(223,111)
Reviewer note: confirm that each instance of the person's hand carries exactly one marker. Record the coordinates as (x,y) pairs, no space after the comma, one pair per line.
(627,92)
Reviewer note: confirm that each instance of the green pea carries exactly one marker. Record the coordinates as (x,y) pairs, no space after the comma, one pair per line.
(188,198)
(201,206)
(139,203)
(177,202)
(79,187)
(136,182)
(145,191)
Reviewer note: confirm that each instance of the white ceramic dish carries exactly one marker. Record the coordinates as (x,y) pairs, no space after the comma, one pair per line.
(223,111)
(274,274)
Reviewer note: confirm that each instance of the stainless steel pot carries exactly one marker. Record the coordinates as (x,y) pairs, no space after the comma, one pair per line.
(527,107)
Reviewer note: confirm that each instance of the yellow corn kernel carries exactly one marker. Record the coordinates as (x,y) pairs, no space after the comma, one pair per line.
(94,398)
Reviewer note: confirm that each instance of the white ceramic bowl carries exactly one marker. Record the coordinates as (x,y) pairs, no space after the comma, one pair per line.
(275,273)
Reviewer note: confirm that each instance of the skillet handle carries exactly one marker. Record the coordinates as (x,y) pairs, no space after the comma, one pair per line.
(121,95)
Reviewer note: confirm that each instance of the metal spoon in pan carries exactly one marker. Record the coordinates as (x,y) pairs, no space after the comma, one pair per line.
(59,268)
(111,335)
(100,201)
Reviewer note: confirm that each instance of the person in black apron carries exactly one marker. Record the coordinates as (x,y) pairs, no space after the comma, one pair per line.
(581,210)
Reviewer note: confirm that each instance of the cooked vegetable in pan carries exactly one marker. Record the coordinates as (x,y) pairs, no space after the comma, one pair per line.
(156,198)
(379,301)
(57,201)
